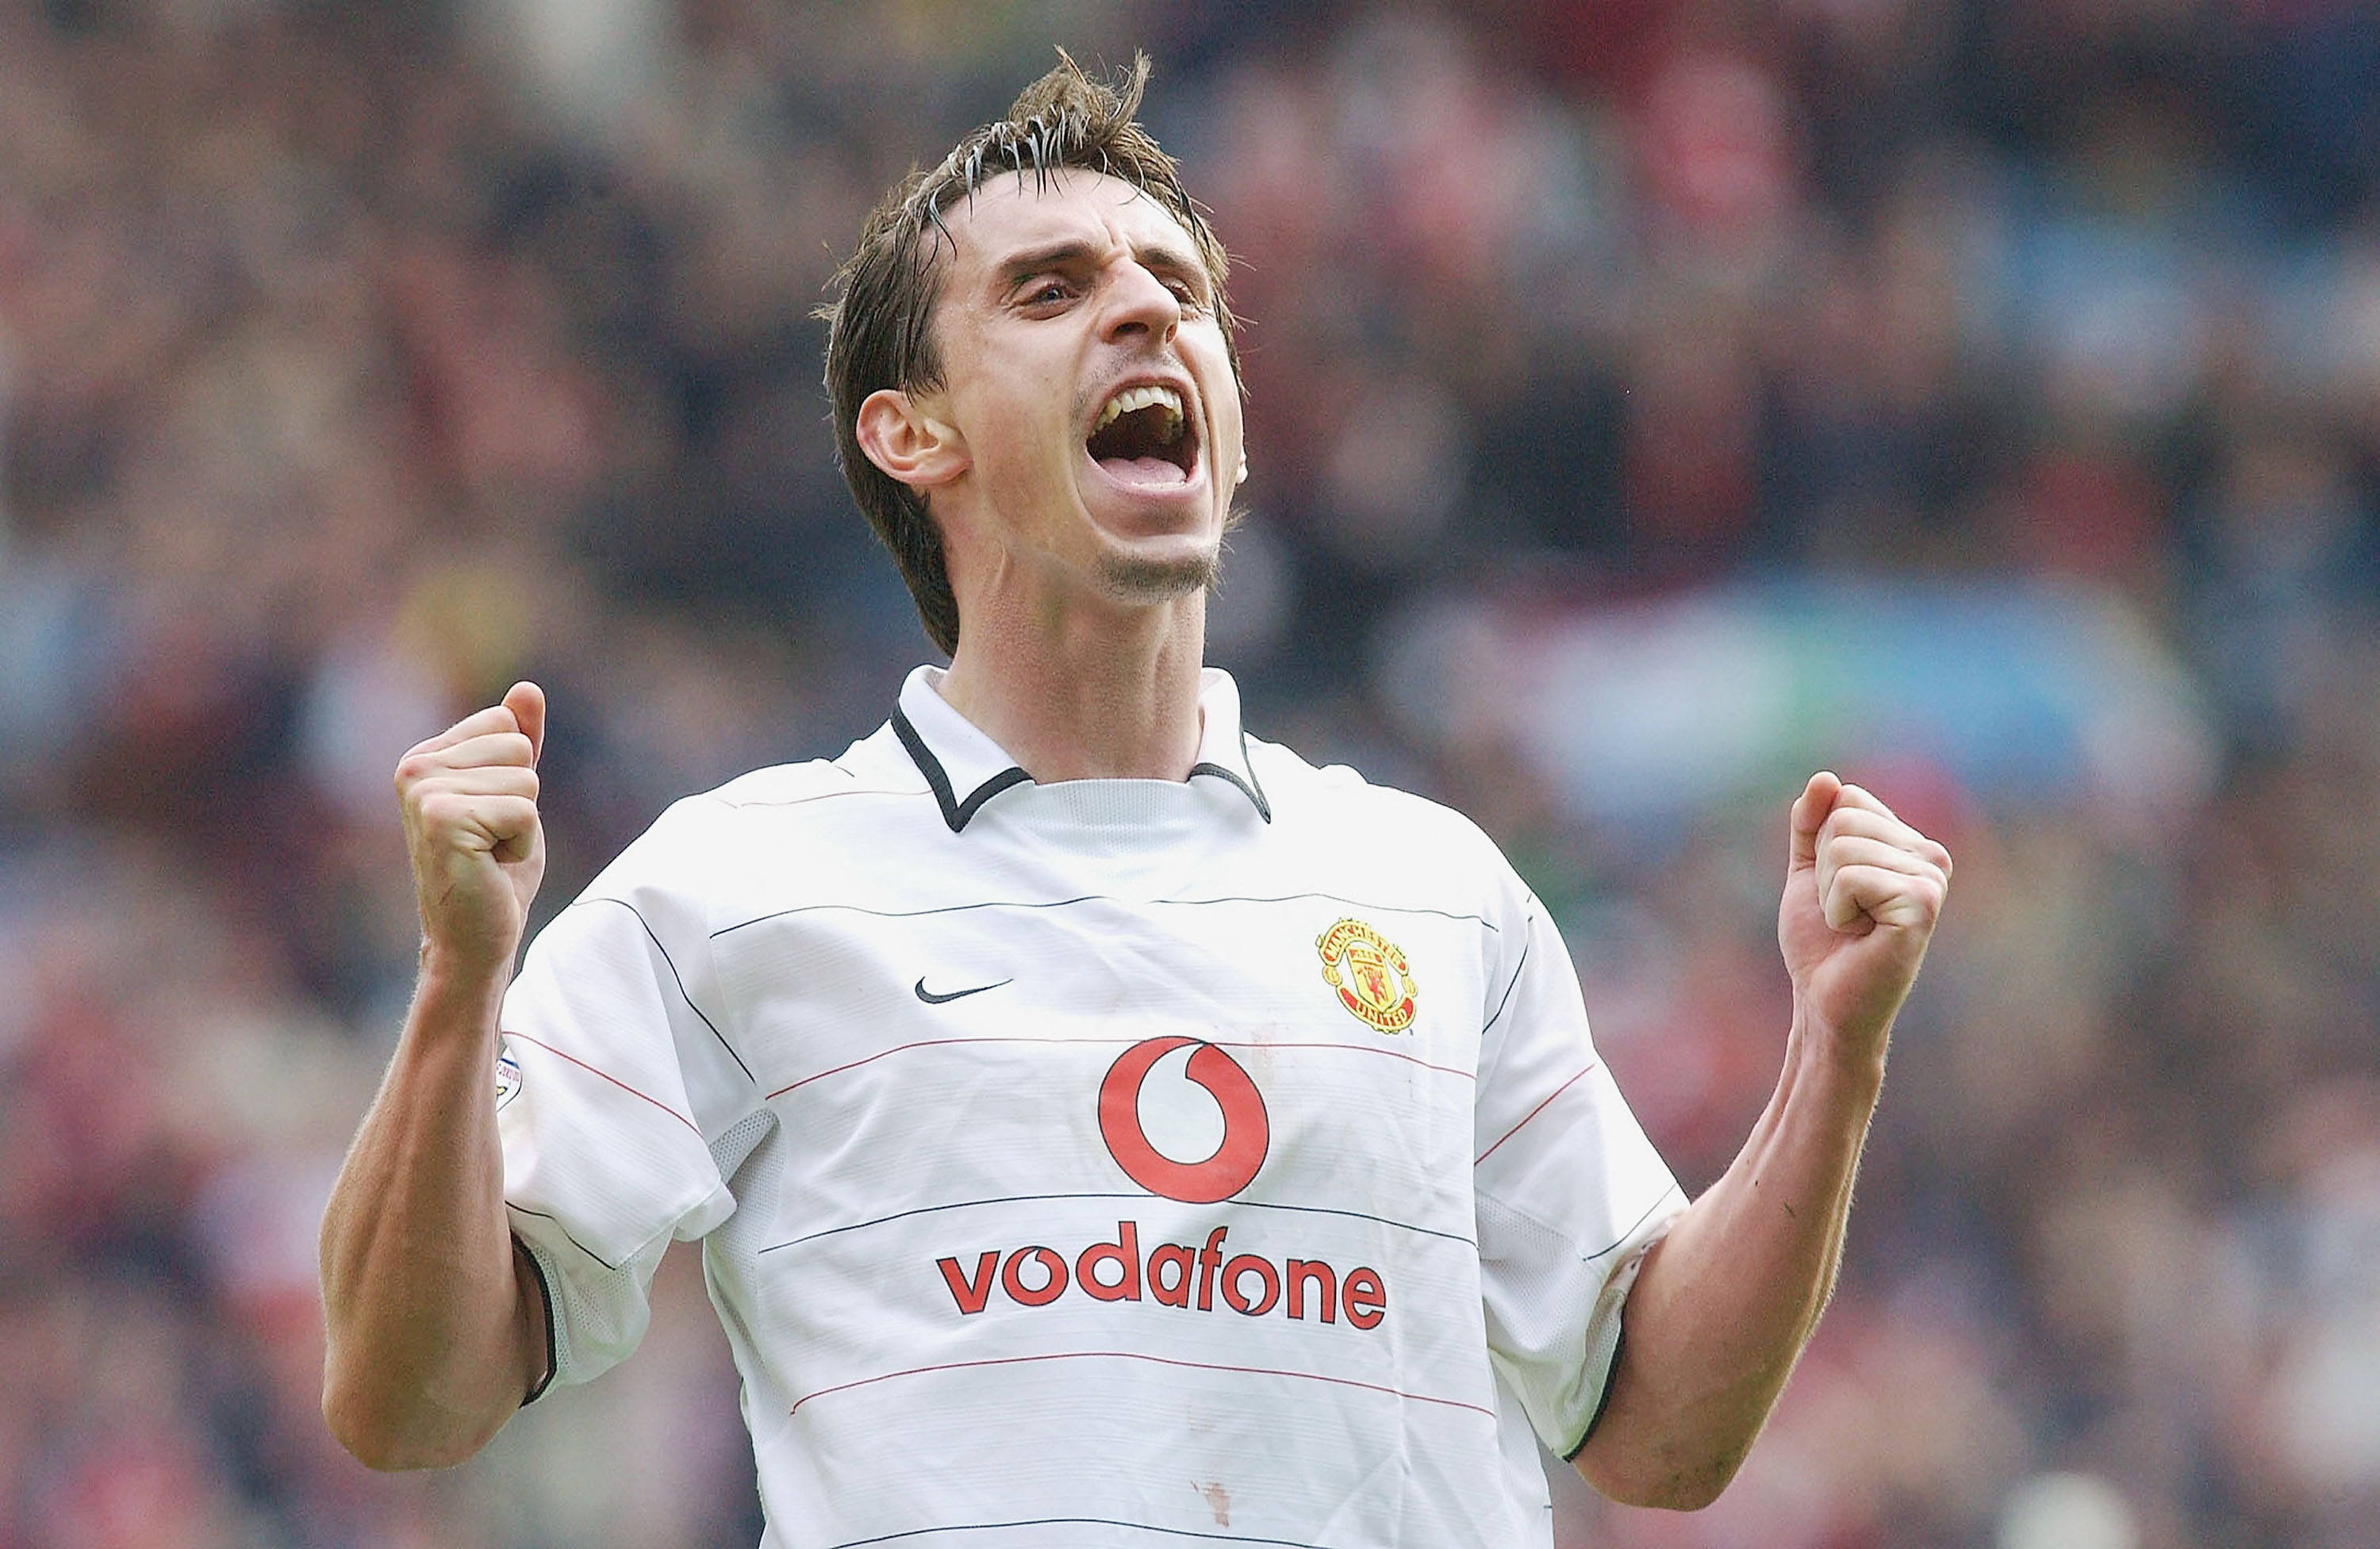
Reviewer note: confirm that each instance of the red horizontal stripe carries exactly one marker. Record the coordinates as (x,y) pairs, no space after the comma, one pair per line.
(942,1043)
(1363,1048)
(613,1079)
(1531,1114)
(923,1043)
(1135,1355)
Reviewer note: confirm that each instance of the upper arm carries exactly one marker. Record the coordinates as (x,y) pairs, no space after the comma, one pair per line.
(625,1080)
(1569,1192)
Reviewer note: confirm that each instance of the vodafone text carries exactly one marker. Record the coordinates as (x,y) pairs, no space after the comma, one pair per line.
(1174,1276)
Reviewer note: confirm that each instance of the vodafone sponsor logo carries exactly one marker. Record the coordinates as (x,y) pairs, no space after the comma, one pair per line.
(1193,1159)
(1174,1274)
(1247,1133)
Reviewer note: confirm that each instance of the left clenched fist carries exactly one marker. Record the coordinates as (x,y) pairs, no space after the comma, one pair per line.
(1862,890)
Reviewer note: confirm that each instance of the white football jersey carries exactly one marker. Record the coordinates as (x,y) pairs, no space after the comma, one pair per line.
(1105,1162)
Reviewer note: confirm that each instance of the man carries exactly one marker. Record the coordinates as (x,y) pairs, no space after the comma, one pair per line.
(1102,1127)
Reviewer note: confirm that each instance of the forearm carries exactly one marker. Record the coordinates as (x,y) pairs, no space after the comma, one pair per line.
(433,1337)
(1723,1306)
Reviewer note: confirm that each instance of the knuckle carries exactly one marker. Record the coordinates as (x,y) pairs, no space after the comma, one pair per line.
(1856,820)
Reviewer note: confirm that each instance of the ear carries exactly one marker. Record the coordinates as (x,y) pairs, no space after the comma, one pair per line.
(908,443)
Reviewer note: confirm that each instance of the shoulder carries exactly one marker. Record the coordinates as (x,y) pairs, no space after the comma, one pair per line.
(785,786)
(1331,792)
(708,844)
(1334,807)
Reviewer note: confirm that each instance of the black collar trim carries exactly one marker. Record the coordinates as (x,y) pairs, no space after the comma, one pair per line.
(954,812)
(1248,787)
(958,813)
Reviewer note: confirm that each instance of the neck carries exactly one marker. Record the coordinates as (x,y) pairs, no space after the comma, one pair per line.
(1094,692)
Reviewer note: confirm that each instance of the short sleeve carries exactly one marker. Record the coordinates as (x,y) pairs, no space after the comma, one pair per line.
(618,1098)
(1570,1193)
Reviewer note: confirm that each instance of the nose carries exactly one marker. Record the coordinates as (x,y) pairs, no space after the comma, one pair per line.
(1138,302)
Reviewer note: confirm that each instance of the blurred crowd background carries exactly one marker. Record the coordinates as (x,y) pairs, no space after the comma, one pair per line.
(1649,401)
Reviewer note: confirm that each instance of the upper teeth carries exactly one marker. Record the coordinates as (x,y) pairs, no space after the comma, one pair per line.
(1135,398)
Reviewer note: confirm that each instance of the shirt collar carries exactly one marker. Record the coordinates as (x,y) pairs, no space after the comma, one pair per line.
(967,768)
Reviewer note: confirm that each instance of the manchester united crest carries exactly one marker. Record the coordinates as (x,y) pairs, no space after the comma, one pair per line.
(1369,972)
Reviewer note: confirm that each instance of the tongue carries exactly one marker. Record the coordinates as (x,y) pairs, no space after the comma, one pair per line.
(1143,471)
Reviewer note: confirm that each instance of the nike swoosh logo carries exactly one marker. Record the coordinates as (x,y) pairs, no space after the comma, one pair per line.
(930,998)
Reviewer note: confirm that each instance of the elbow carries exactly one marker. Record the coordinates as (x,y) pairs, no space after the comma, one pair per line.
(389,1448)
(1672,1485)
(388,1436)
(1688,1494)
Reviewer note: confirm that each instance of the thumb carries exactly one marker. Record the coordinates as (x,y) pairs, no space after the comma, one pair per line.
(527,701)
(1810,810)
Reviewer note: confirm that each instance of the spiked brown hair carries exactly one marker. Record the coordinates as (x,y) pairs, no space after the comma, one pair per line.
(880,327)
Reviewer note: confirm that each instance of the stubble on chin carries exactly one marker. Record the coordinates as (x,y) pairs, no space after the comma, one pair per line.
(1130,579)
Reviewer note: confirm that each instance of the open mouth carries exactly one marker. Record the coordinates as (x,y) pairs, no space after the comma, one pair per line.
(1142,436)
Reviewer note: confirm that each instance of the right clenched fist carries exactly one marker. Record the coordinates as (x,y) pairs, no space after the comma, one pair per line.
(469,796)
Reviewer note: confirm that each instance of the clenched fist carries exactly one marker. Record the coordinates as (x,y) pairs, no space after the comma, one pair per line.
(469,796)
(1862,890)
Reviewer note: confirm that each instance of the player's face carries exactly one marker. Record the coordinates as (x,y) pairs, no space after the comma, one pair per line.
(1085,371)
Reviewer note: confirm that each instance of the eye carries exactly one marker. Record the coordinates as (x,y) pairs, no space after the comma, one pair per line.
(1046,293)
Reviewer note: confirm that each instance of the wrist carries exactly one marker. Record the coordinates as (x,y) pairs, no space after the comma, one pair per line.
(1850,1065)
(449,983)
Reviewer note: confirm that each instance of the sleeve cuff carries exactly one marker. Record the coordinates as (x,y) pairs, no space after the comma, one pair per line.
(1603,1400)
(545,1294)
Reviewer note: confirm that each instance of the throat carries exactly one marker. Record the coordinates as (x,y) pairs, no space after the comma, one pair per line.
(1064,715)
